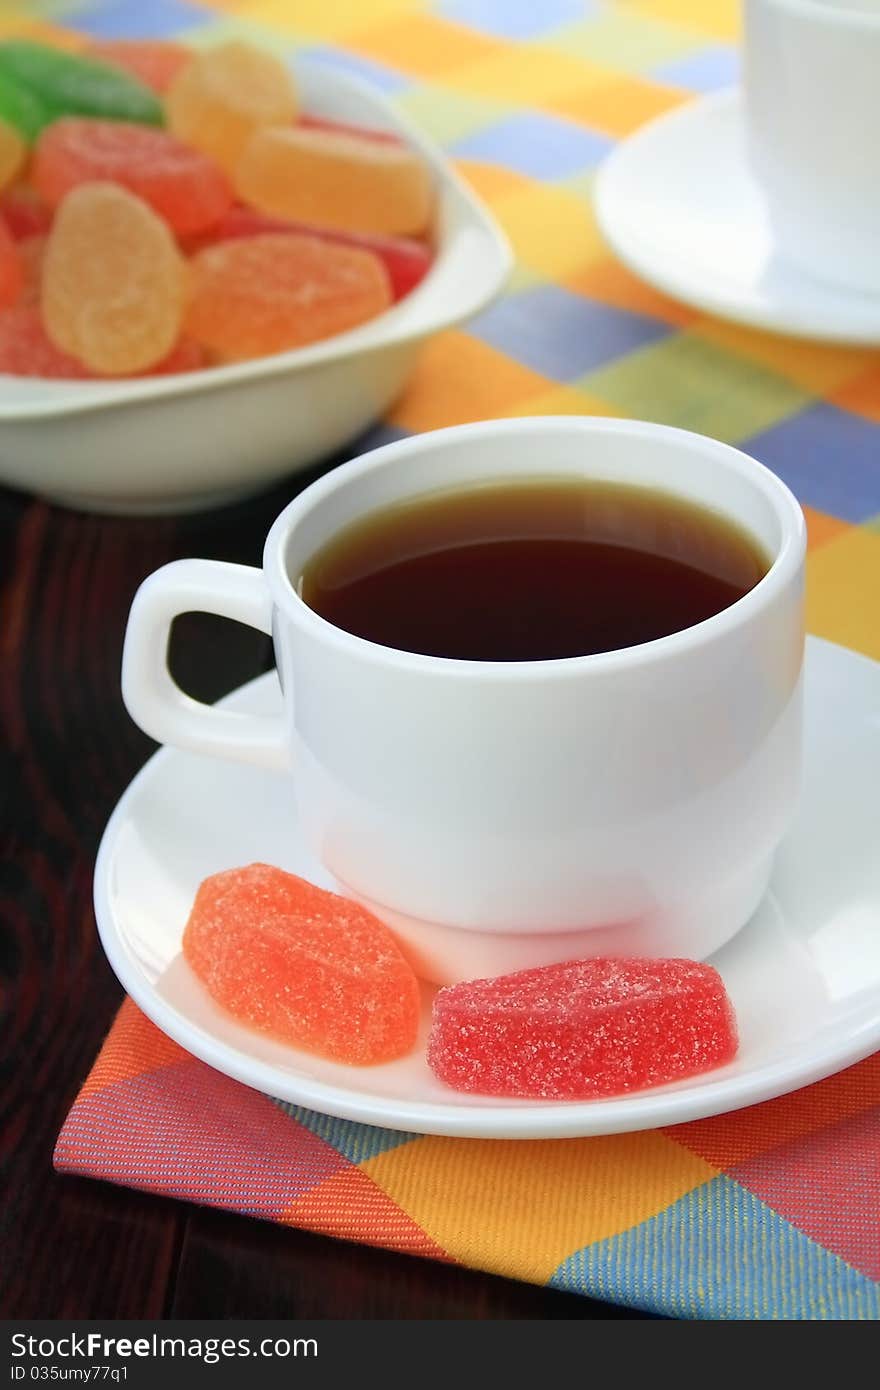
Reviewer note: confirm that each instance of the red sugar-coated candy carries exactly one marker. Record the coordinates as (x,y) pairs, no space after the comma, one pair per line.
(406,260)
(11,269)
(346,128)
(155,61)
(313,969)
(182,185)
(583,1029)
(24,213)
(27,350)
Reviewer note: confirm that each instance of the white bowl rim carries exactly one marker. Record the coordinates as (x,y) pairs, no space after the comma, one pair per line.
(388,329)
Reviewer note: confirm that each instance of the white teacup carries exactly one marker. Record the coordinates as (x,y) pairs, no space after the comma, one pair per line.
(812,87)
(505,814)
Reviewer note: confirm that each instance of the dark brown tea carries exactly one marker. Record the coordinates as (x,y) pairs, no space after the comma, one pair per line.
(531,570)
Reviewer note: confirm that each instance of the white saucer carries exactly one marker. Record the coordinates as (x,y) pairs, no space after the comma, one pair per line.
(679,206)
(804,975)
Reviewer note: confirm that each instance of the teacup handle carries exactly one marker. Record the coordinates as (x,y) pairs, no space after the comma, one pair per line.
(154,699)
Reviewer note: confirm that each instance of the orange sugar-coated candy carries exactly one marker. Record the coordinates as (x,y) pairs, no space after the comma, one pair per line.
(583,1029)
(226,93)
(27,350)
(113,281)
(185,187)
(155,61)
(13,152)
(406,260)
(311,968)
(11,269)
(24,213)
(264,294)
(335,180)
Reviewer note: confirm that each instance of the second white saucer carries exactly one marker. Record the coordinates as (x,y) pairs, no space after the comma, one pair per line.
(678,204)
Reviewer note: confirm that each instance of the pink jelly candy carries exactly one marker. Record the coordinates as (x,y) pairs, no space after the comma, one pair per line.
(307,966)
(583,1029)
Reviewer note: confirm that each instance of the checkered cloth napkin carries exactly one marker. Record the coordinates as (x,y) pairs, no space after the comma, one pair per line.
(771,1212)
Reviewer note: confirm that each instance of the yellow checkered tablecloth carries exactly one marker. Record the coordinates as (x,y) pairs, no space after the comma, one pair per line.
(768,1213)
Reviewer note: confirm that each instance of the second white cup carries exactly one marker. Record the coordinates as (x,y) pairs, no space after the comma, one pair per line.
(812,90)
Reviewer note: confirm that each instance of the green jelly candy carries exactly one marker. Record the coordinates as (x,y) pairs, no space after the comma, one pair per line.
(22,108)
(69,85)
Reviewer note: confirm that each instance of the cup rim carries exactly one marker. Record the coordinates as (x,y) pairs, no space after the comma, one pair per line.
(823,13)
(788,559)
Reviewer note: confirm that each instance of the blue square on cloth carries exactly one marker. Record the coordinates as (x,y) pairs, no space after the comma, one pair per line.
(704,71)
(543,147)
(563,335)
(829,458)
(120,19)
(515,19)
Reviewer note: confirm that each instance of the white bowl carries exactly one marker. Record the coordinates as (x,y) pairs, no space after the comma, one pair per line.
(178,443)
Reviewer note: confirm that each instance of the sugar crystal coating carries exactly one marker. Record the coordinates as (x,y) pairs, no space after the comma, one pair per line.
(11,268)
(27,350)
(179,183)
(155,62)
(32,252)
(24,213)
(113,281)
(22,108)
(12,153)
(226,93)
(67,84)
(406,260)
(308,967)
(582,1029)
(335,180)
(263,294)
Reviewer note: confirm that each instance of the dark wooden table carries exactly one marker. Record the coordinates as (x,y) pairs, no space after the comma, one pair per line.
(72,1248)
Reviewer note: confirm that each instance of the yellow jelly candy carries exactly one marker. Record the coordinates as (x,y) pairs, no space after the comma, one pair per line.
(12,153)
(226,93)
(113,282)
(335,180)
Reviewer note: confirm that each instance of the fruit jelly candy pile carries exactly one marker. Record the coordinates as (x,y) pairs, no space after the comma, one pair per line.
(113,281)
(181,184)
(225,94)
(27,350)
(310,968)
(65,84)
(24,213)
(12,153)
(264,294)
(11,268)
(335,181)
(155,62)
(406,260)
(22,108)
(582,1029)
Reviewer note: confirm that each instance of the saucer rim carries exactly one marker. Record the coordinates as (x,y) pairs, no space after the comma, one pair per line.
(712,294)
(639,1110)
